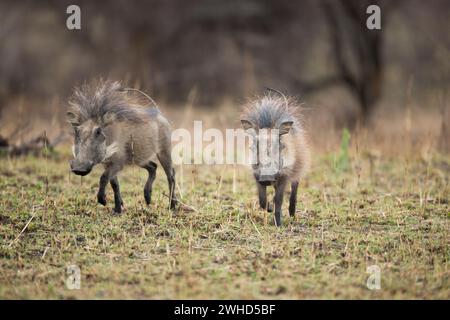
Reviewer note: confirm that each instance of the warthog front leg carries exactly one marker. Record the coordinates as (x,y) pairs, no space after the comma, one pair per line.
(151,168)
(101,195)
(262,196)
(107,176)
(280,185)
(118,202)
(293,198)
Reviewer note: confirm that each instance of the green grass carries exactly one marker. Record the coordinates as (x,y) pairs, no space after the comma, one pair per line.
(394,215)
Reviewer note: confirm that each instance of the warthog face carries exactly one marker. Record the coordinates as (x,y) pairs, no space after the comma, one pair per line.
(267,149)
(89,147)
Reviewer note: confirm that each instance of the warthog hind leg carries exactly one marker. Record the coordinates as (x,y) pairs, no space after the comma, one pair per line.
(151,168)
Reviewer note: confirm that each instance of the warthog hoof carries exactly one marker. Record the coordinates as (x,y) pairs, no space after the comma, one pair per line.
(116,213)
(101,198)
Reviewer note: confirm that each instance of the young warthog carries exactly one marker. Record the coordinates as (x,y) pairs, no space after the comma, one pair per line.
(112,127)
(280,150)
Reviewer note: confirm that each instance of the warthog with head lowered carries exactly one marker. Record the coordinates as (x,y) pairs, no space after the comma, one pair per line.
(114,128)
(281,152)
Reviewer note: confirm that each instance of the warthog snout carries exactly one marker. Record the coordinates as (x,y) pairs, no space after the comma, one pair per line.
(81,169)
(266,179)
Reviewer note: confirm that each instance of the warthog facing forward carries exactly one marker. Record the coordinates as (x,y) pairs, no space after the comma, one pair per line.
(281,153)
(112,127)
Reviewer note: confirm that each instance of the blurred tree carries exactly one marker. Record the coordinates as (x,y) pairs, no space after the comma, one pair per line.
(444,137)
(361,70)
(224,49)
(357,52)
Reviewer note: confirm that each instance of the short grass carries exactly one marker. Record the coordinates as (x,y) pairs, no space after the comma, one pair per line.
(392,213)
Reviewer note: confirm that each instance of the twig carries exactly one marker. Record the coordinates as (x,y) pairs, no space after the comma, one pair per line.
(220,182)
(45,251)
(179,189)
(254,225)
(184,204)
(26,226)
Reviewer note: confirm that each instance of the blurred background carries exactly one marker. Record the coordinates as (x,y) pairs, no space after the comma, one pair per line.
(201,59)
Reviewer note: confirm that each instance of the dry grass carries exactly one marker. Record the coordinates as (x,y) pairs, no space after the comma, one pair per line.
(390,212)
(389,208)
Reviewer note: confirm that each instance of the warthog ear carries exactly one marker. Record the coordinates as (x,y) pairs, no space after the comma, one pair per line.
(285,127)
(247,125)
(108,118)
(73,119)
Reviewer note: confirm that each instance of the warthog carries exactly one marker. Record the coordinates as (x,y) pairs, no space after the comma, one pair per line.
(111,126)
(281,152)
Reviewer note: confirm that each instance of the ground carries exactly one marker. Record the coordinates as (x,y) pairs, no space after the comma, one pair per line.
(392,213)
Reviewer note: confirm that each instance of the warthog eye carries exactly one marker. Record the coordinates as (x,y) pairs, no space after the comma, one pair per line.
(98,132)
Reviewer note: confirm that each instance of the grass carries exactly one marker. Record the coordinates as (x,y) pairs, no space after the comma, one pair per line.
(393,213)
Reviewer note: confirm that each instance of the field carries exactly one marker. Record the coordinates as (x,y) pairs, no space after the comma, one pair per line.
(389,212)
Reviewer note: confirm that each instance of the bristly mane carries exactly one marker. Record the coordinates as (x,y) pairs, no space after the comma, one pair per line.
(270,112)
(101,100)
